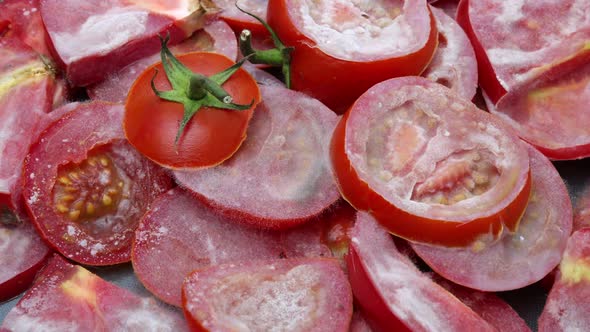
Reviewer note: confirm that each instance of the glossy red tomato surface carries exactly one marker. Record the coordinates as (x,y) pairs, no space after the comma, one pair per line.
(210,137)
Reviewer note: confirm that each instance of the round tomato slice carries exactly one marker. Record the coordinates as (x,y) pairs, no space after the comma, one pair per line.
(342,49)
(209,138)
(429,165)
(281,176)
(86,188)
(521,258)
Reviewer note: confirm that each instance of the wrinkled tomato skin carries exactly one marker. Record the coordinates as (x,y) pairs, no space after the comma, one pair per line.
(409,226)
(210,137)
(487,76)
(336,82)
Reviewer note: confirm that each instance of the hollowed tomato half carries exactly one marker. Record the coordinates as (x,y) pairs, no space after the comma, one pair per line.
(86,188)
(429,165)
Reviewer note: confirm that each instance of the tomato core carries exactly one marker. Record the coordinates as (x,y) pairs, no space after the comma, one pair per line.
(88,190)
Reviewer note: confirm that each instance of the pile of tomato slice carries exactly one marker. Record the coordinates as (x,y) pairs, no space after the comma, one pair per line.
(293,164)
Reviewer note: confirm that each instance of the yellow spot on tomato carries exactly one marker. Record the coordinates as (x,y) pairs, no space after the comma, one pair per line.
(574,271)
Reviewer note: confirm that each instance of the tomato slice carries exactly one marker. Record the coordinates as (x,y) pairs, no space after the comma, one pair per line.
(342,49)
(309,294)
(521,258)
(86,188)
(68,297)
(23,255)
(550,109)
(210,137)
(513,40)
(281,176)
(454,64)
(216,37)
(179,226)
(567,305)
(393,294)
(26,23)
(429,165)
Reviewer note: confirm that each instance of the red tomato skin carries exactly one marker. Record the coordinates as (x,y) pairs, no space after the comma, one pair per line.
(337,82)
(407,225)
(487,76)
(151,123)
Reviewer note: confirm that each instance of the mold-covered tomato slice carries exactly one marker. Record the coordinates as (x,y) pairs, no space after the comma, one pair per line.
(448,6)
(27,89)
(429,165)
(309,294)
(85,186)
(216,37)
(67,297)
(281,176)
(567,305)
(550,110)
(179,235)
(26,23)
(454,64)
(239,20)
(344,47)
(96,39)
(582,208)
(23,254)
(514,39)
(393,294)
(195,125)
(520,258)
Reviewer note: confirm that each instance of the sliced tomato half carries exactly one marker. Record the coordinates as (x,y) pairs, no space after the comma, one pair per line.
(86,188)
(67,297)
(429,165)
(520,258)
(310,294)
(342,49)
(281,176)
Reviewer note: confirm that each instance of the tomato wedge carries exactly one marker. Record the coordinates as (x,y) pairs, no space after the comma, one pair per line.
(429,165)
(86,188)
(342,49)
(210,137)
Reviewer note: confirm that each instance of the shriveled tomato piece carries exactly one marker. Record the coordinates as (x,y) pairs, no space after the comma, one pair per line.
(27,90)
(454,64)
(520,258)
(86,187)
(513,40)
(281,176)
(550,109)
(68,297)
(429,165)
(344,47)
(216,37)
(567,305)
(289,294)
(163,130)
(23,254)
(393,294)
(96,39)
(179,235)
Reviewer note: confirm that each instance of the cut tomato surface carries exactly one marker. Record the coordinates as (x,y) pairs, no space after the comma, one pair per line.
(454,64)
(281,176)
(27,89)
(210,137)
(86,188)
(429,165)
(179,235)
(96,39)
(67,297)
(342,49)
(520,258)
(216,37)
(26,23)
(513,40)
(393,294)
(550,110)
(309,294)
(23,254)
(567,305)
